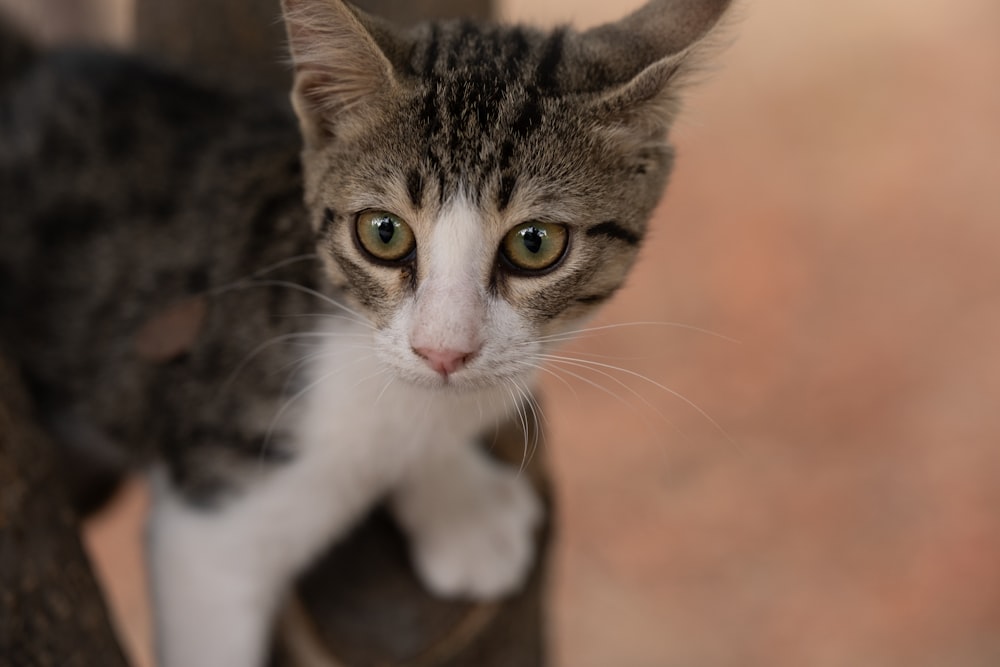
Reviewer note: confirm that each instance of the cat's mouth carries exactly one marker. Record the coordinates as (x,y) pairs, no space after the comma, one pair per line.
(468,378)
(459,380)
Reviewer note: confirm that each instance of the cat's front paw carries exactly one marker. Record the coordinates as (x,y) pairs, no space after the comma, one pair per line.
(472,531)
(483,545)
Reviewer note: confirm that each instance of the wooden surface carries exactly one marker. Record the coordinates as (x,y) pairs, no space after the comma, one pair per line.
(362,605)
(51,611)
(242,42)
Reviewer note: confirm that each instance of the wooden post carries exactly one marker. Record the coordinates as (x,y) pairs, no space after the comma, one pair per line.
(242,42)
(362,605)
(55,22)
(411,11)
(51,610)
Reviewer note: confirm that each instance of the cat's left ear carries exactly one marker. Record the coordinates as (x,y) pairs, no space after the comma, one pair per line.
(646,58)
(340,65)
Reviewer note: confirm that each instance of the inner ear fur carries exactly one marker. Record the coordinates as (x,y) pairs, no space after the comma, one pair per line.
(339,64)
(647,58)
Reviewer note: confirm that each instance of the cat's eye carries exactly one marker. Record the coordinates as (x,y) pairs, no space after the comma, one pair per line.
(534,247)
(385,236)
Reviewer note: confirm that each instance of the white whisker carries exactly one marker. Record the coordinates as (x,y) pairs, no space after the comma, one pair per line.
(544,369)
(294,367)
(539,419)
(526,452)
(302,392)
(522,417)
(582,333)
(392,378)
(283,263)
(323,316)
(360,318)
(595,364)
(227,385)
(618,397)
(584,365)
(236,284)
(624,385)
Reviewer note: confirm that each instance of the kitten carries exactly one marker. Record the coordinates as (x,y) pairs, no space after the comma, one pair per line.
(341,331)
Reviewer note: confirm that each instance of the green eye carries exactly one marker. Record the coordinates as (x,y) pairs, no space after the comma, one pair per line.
(534,246)
(385,237)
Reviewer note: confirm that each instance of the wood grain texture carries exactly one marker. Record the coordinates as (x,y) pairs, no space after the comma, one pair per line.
(361,604)
(51,610)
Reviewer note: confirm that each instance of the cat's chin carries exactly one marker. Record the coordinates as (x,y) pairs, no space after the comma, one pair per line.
(451,384)
(462,382)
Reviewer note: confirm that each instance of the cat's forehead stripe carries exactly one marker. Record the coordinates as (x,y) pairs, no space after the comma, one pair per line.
(614,230)
(483,91)
(415,188)
(552,55)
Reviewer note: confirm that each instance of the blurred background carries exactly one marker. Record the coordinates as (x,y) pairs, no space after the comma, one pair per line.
(817,482)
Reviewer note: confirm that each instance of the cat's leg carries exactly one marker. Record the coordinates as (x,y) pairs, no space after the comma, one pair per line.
(212,604)
(471,522)
(219,575)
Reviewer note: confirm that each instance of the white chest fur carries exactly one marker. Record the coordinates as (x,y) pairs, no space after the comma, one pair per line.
(355,409)
(358,433)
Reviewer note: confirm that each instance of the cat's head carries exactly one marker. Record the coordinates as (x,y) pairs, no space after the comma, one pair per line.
(478,188)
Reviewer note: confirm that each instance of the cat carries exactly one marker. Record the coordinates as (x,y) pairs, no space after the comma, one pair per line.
(353,289)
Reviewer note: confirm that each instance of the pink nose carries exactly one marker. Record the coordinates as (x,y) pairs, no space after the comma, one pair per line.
(444,362)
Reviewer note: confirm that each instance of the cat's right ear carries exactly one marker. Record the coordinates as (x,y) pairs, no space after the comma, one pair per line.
(646,58)
(339,66)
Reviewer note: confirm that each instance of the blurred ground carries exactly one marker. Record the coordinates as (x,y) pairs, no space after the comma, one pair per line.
(836,209)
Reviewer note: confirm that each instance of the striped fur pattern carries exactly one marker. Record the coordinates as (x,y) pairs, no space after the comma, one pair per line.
(280,397)
(517,124)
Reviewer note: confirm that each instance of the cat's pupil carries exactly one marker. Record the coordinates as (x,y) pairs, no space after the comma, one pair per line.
(532,239)
(386,230)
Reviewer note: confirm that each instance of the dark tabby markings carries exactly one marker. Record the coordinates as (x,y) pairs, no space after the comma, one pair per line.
(328,217)
(545,75)
(70,222)
(198,280)
(613,230)
(485,93)
(363,285)
(518,48)
(432,51)
(415,188)
(543,83)
(594,299)
(465,30)
(507,183)
(528,119)
(556,298)
(432,122)
(408,274)
(493,288)
(271,210)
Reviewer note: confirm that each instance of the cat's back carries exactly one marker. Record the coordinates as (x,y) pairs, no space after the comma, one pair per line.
(116,177)
(90,141)
(125,189)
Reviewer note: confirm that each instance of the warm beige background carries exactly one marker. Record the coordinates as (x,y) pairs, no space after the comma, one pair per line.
(57,21)
(836,209)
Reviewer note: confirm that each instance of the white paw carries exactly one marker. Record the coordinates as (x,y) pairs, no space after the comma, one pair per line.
(472,531)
